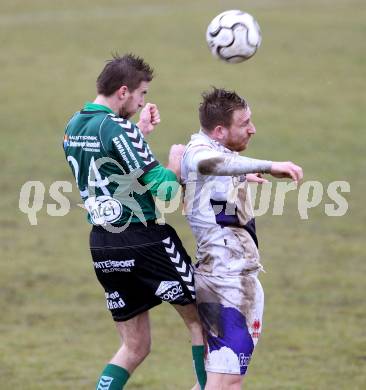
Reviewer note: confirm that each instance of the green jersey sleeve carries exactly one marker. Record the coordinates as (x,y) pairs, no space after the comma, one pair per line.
(163,181)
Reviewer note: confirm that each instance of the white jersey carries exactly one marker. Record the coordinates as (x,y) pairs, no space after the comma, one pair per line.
(219,211)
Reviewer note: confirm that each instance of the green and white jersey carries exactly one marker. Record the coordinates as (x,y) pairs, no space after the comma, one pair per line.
(114,168)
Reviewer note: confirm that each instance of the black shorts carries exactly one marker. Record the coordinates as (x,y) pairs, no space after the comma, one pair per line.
(141,267)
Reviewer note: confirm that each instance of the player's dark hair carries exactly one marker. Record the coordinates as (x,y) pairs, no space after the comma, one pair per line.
(217,108)
(128,70)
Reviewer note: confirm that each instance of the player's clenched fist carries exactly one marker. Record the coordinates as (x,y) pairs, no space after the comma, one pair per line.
(286,169)
(149,118)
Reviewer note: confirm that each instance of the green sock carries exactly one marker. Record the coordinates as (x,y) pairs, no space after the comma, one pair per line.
(113,378)
(198,353)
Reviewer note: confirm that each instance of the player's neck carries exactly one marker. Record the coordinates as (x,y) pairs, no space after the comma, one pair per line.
(107,101)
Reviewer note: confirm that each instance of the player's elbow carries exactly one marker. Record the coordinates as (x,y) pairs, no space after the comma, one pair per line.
(210,166)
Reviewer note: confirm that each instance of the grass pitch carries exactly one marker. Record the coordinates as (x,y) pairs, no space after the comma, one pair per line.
(306,87)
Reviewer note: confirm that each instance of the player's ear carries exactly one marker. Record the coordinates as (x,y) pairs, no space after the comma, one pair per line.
(122,92)
(219,132)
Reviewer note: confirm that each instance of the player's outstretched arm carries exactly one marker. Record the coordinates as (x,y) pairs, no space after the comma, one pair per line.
(219,164)
(149,118)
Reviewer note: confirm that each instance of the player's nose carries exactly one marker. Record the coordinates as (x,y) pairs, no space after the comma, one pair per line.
(251,129)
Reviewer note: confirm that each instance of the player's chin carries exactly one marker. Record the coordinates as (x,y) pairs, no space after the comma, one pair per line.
(125,114)
(129,113)
(241,148)
(245,144)
(133,112)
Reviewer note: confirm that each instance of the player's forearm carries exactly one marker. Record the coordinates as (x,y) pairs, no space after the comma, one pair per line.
(143,128)
(232,166)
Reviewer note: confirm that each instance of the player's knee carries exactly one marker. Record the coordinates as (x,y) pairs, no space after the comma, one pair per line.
(196,332)
(139,349)
(192,320)
(195,327)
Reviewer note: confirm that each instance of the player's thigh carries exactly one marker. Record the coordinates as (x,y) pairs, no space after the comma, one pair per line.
(220,381)
(232,382)
(188,313)
(136,331)
(190,316)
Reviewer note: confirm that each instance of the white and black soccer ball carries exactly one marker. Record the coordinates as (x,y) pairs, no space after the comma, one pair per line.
(233,36)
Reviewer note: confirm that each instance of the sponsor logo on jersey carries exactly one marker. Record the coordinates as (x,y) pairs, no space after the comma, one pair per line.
(103,209)
(66,141)
(169,291)
(115,265)
(244,359)
(114,301)
(256,329)
(123,150)
(88,143)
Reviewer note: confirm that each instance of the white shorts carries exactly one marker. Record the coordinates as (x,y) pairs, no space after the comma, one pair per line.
(231,310)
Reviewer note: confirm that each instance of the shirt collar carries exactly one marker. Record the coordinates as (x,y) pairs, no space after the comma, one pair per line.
(215,143)
(89,106)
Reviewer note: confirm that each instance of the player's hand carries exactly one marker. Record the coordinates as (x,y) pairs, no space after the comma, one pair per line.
(175,158)
(149,118)
(287,169)
(255,178)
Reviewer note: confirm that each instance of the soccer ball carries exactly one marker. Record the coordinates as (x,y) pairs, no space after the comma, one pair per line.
(233,36)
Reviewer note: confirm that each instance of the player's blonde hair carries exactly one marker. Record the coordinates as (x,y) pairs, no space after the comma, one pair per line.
(217,108)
